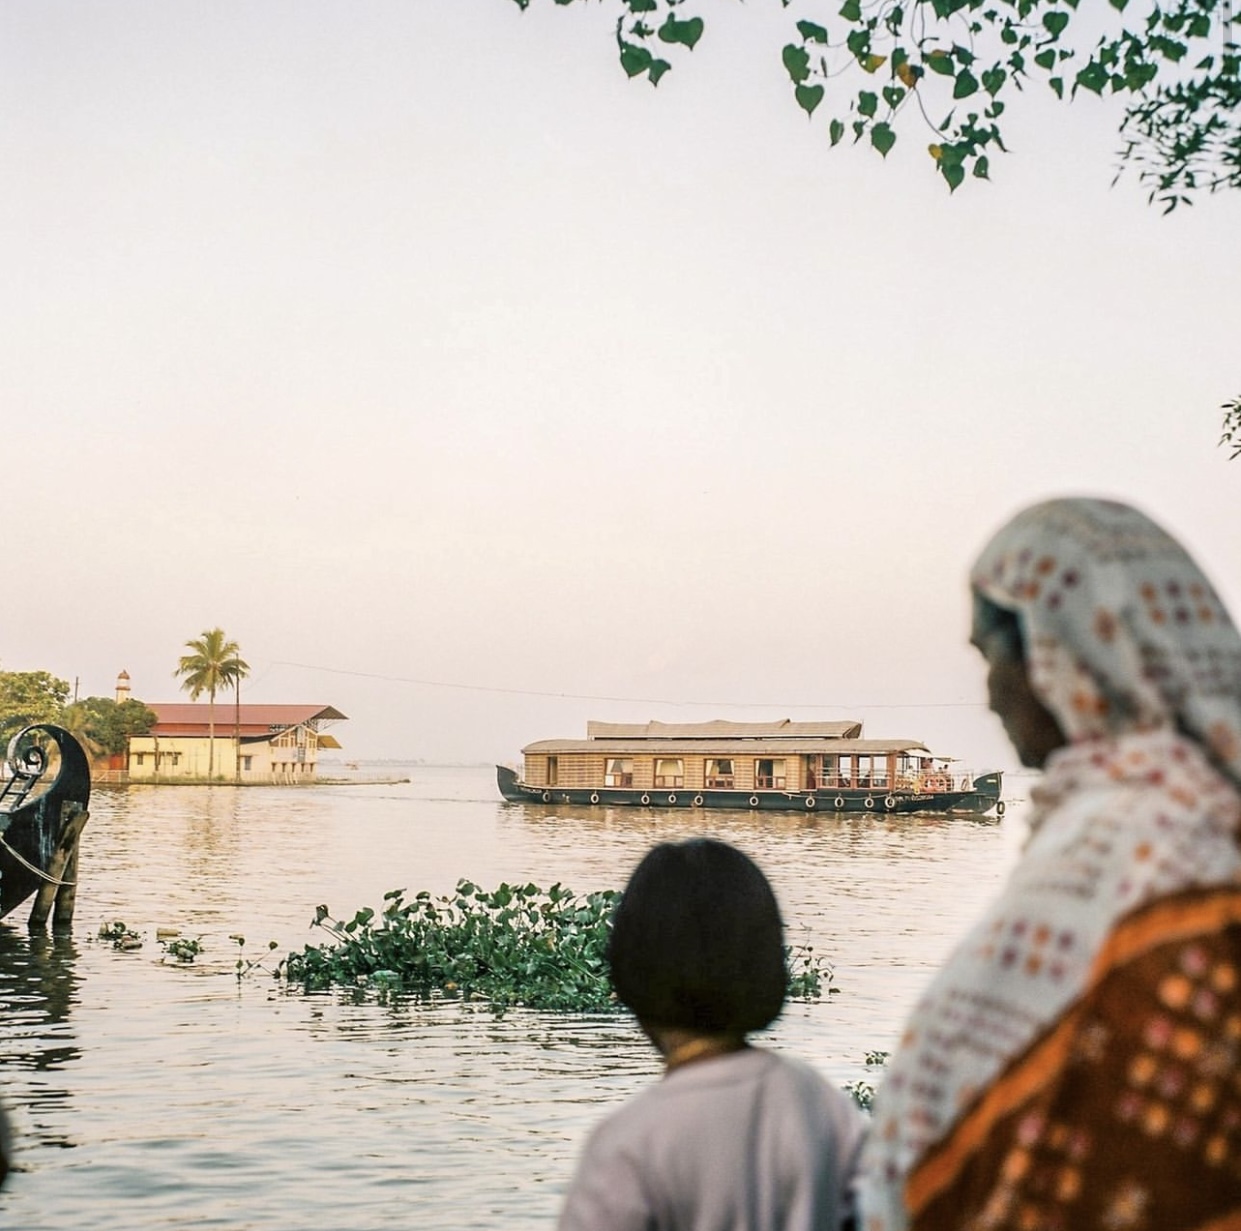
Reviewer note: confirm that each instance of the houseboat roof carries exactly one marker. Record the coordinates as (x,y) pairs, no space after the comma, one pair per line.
(748,746)
(720,728)
(185,718)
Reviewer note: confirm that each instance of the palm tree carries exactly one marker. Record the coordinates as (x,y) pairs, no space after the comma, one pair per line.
(212,665)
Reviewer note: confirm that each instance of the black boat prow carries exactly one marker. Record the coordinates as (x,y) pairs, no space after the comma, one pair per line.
(45,770)
(509,783)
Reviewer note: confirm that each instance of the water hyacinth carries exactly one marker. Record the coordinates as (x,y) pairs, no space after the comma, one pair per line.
(516,945)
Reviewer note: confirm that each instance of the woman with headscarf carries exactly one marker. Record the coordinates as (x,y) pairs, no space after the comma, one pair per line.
(1075,1063)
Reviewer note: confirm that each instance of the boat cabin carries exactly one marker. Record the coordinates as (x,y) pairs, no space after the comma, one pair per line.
(736,756)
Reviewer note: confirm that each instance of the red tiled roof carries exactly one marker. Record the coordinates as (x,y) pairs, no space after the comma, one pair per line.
(182,718)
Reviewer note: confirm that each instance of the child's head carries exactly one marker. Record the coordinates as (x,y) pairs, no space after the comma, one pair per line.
(697,942)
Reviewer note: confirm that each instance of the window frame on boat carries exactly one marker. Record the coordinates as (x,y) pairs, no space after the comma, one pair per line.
(618,771)
(768,779)
(715,777)
(666,778)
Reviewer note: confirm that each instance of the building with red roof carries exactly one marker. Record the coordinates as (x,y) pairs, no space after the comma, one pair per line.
(252,743)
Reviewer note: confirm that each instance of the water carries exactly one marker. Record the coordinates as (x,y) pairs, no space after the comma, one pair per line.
(147,1094)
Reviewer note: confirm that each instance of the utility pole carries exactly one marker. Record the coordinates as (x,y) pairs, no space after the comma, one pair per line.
(237,715)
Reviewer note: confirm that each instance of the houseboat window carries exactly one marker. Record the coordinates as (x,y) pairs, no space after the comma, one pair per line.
(245,763)
(718,774)
(553,771)
(618,771)
(769,773)
(669,771)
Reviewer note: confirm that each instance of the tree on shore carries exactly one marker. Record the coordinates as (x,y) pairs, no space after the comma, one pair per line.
(1177,63)
(28,697)
(103,726)
(213,663)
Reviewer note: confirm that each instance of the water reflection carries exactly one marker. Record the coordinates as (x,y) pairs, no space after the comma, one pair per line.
(38,988)
(196,1100)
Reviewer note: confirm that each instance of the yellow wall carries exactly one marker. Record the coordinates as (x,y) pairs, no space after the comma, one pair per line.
(184,758)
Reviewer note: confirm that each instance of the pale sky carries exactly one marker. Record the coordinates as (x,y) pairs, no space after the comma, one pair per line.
(410,341)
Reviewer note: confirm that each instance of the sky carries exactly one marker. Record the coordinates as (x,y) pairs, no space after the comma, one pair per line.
(477,391)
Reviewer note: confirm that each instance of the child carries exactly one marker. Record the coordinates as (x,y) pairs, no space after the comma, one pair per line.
(734,1138)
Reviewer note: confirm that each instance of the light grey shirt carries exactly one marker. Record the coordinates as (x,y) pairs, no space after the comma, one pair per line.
(749,1141)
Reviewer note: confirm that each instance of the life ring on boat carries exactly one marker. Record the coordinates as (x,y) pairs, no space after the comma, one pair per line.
(594,797)
(547,797)
(646,799)
(753,801)
(870,802)
(999,808)
(840,802)
(890,802)
(810,801)
(697,801)
(672,799)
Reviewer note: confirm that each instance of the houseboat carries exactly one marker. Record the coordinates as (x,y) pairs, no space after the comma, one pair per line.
(785,765)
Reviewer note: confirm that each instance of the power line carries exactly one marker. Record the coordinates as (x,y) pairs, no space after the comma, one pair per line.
(587,696)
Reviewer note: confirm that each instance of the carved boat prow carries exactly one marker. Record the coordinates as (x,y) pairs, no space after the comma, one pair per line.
(43,801)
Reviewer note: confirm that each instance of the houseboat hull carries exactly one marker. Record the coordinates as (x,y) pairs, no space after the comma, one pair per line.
(982,797)
(47,769)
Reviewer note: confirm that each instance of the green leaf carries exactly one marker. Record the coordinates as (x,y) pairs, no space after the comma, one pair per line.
(867,103)
(1046,59)
(796,62)
(941,63)
(882,138)
(835,130)
(1093,78)
(808,97)
(954,173)
(634,59)
(993,80)
(1055,22)
(982,167)
(851,10)
(1057,84)
(966,85)
(892,95)
(657,70)
(687,33)
(642,6)
(811,32)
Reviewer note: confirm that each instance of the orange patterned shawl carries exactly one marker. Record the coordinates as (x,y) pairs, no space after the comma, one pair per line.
(1077,1062)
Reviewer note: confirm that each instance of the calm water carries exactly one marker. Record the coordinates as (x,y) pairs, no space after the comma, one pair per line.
(148,1094)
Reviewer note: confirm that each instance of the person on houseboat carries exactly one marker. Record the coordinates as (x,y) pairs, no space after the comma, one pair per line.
(1074,1063)
(733,1136)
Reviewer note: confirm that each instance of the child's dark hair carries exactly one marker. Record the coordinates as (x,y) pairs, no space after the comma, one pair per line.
(697,942)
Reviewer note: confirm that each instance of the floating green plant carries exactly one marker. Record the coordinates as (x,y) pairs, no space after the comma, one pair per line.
(246,965)
(183,948)
(863,1088)
(517,945)
(119,935)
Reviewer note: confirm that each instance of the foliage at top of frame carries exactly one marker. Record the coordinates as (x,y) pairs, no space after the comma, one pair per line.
(1178,64)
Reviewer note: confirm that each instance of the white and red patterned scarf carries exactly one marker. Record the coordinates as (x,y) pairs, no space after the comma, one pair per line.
(1074,1063)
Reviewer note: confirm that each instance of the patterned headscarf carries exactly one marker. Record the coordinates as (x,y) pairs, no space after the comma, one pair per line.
(1122,630)
(1052,1074)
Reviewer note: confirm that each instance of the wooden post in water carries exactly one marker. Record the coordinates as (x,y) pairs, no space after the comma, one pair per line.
(61,869)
